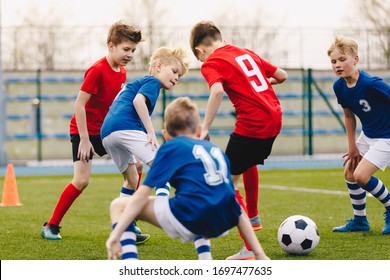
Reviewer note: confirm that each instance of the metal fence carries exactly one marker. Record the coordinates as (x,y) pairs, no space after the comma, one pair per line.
(76,48)
(39,106)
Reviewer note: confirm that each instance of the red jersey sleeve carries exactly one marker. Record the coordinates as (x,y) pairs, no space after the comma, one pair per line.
(103,84)
(210,72)
(91,82)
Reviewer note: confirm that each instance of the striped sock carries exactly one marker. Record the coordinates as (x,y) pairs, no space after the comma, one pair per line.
(203,248)
(128,242)
(163,191)
(379,191)
(126,192)
(358,199)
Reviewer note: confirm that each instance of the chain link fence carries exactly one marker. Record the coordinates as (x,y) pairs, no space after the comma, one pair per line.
(76,48)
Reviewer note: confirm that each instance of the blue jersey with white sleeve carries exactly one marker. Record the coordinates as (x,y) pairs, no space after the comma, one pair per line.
(369,100)
(122,114)
(204,200)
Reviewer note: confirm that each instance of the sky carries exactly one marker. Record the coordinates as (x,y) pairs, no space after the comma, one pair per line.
(312,15)
(293,13)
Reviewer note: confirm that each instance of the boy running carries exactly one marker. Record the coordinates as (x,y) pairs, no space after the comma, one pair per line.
(246,78)
(102,82)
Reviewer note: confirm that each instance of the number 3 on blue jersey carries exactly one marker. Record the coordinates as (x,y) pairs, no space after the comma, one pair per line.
(213,176)
(254,72)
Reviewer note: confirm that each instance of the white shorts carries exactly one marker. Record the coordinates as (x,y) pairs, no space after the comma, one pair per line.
(375,150)
(169,223)
(125,145)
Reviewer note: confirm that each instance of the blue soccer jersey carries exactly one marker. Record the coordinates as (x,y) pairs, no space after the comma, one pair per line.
(204,200)
(369,99)
(122,114)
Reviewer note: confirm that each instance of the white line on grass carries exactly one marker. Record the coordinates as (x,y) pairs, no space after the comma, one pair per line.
(299,189)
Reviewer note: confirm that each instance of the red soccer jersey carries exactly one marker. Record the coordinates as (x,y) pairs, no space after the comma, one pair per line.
(103,83)
(243,75)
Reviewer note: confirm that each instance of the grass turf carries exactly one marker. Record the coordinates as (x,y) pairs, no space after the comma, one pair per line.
(282,193)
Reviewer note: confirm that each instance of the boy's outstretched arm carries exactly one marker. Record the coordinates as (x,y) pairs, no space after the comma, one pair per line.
(85,146)
(213,104)
(353,154)
(139,103)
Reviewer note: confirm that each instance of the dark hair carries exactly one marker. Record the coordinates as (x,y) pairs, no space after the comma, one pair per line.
(121,31)
(204,32)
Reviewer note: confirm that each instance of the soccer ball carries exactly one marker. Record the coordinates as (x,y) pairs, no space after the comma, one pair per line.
(298,235)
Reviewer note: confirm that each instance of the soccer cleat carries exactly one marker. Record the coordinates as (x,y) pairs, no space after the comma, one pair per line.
(353,225)
(137,229)
(142,238)
(51,232)
(256,223)
(386,227)
(243,254)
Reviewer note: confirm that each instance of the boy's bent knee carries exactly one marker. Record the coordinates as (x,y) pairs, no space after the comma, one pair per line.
(80,184)
(361,178)
(349,175)
(115,204)
(118,204)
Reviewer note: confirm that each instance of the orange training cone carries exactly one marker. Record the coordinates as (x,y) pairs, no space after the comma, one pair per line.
(10,190)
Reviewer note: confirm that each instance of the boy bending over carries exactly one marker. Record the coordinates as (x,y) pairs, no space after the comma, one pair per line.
(204,204)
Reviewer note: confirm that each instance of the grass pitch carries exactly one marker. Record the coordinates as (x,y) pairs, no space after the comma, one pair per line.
(319,194)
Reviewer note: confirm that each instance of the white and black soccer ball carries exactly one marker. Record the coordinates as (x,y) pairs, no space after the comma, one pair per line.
(298,235)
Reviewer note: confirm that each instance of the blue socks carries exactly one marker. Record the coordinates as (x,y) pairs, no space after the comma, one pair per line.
(128,242)
(379,191)
(203,248)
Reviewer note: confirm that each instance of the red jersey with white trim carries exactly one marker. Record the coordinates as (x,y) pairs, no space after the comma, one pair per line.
(103,83)
(243,75)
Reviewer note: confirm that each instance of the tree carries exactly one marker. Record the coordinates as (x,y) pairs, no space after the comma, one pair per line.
(149,16)
(37,36)
(376,13)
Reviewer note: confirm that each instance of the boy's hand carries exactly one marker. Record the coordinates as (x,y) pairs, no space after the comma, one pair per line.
(85,150)
(114,249)
(152,140)
(204,135)
(353,158)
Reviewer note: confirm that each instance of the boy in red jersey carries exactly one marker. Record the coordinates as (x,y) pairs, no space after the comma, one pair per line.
(102,82)
(246,78)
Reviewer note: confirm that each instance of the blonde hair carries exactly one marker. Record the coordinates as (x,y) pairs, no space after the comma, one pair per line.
(345,45)
(121,31)
(181,115)
(167,56)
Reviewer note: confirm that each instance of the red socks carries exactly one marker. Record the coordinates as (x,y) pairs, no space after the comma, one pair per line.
(251,185)
(139,179)
(242,204)
(68,196)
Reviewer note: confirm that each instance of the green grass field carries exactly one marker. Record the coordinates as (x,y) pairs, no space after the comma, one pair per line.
(282,193)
